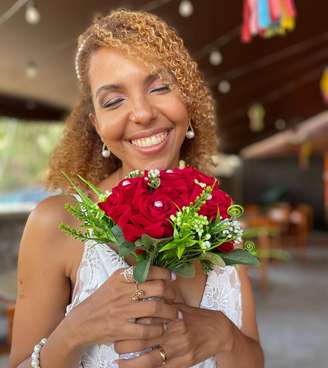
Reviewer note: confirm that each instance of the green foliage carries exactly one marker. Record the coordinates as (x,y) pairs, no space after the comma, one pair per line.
(24,152)
(194,237)
(239,256)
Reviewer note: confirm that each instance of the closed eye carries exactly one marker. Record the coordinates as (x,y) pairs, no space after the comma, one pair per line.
(113,103)
(163,88)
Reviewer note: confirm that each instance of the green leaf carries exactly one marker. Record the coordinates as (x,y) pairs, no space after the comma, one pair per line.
(151,244)
(124,251)
(214,258)
(101,196)
(239,256)
(117,232)
(141,271)
(171,245)
(180,250)
(206,265)
(186,270)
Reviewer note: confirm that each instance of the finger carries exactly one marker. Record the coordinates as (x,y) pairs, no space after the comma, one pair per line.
(152,308)
(134,331)
(158,273)
(159,288)
(148,360)
(151,321)
(129,346)
(155,273)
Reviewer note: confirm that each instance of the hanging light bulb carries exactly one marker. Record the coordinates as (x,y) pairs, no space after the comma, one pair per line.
(186,8)
(32,14)
(224,87)
(280,124)
(31,70)
(215,57)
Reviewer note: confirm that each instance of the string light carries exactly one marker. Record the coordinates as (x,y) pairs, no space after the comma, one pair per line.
(280,124)
(31,70)
(186,8)
(224,87)
(215,57)
(32,14)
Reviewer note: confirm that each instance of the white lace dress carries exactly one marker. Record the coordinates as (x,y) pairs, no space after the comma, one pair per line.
(99,261)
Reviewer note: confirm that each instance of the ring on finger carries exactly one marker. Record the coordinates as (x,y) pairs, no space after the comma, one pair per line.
(138,295)
(163,354)
(128,274)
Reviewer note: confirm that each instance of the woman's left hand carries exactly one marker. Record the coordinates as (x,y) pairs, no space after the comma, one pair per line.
(199,335)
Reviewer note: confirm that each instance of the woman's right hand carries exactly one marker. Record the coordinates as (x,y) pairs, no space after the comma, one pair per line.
(109,314)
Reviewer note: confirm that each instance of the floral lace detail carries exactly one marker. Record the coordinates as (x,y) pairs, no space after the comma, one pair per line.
(99,261)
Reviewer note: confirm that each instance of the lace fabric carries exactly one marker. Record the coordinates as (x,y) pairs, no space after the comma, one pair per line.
(99,261)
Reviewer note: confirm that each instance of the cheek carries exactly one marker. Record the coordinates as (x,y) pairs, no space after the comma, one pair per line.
(176,111)
(110,126)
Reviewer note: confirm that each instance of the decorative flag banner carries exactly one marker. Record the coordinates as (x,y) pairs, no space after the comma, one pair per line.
(267,18)
(324,85)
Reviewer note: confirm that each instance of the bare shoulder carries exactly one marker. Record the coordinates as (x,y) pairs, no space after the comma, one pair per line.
(46,259)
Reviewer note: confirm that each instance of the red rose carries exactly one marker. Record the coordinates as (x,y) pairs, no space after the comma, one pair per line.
(220,202)
(138,209)
(225,247)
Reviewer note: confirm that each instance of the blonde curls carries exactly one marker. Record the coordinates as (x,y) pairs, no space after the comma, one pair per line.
(149,39)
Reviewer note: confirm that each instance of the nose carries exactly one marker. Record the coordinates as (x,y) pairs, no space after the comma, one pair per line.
(142,112)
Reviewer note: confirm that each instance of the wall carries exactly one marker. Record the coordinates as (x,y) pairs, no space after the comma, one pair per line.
(303,186)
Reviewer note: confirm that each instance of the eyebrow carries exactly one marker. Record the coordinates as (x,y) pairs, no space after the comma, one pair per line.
(116,87)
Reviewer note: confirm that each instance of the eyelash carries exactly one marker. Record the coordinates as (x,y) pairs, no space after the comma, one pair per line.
(116,102)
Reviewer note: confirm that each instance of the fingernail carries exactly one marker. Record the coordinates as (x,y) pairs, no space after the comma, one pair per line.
(173,276)
(114,365)
(180,315)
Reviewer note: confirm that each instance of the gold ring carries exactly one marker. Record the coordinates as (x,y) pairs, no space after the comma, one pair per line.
(128,274)
(138,295)
(163,354)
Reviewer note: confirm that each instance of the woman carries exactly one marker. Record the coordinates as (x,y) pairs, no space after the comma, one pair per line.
(143,104)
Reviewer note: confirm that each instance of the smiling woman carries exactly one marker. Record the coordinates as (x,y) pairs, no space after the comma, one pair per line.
(143,105)
(132,66)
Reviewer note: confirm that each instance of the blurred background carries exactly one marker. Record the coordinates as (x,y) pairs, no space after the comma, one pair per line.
(266,62)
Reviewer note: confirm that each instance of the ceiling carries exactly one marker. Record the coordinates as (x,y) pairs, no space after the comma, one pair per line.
(282,73)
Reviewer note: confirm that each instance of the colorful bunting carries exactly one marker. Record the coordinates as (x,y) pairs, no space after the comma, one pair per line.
(267,18)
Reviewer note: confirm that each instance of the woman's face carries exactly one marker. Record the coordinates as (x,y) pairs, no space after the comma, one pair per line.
(141,120)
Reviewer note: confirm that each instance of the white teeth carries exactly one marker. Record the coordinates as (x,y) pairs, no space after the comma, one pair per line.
(150,141)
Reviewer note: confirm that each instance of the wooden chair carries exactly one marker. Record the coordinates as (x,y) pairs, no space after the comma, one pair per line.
(265,233)
(301,223)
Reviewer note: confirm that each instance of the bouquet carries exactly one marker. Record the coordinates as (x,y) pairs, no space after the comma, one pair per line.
(167,218)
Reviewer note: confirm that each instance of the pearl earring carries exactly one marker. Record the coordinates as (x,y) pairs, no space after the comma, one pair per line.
(190,134)
(105,152)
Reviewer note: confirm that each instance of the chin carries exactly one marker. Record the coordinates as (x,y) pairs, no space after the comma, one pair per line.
(161,164)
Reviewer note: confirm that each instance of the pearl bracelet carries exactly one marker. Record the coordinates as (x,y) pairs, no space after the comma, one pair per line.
(36,353)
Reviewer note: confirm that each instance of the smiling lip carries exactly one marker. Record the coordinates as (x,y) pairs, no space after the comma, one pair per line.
(148,133)
(156,147)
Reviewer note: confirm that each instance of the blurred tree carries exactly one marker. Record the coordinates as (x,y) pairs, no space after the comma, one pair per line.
(24,152)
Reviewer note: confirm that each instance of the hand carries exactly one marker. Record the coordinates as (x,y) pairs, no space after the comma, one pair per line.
(201,334)
(109,314)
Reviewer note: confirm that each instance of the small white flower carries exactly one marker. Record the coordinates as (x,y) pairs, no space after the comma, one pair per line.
(209,197)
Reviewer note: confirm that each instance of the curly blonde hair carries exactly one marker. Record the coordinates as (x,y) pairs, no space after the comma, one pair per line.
(148,38)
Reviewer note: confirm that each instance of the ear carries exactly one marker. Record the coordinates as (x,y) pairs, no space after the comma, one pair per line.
(94,121)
